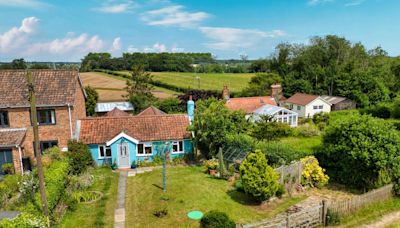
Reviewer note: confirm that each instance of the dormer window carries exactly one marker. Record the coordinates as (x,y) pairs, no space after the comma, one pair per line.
(4,119)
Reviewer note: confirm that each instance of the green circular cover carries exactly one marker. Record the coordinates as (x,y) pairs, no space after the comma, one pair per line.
(195,215)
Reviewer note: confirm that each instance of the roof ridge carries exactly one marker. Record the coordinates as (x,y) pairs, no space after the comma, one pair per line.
(126,117)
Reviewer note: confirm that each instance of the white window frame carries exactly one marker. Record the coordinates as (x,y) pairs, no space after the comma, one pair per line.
(298,107)
(105,147)
(320,106)
(315,107)
(144,149)
(180,150)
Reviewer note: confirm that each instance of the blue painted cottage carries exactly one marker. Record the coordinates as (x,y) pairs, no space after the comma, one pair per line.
(125,139)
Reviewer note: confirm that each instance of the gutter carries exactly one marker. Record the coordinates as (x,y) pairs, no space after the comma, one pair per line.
(70,121)
(20,159)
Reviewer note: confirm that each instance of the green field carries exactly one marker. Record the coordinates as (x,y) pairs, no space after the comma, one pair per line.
(207,81)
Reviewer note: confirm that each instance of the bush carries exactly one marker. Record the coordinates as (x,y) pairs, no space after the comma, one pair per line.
(171,105)
(321,119)
(28,185)
(79,157)
(239,186)
(8,168)
(25,220)
(312,173)
(258,178)
(81,182)
(211,164)
(381,111)
(216,219)
(281,191)
(54,153)
(360,151)
(278,153)
(307,130)
(269,129)
(8,188)
(55,178)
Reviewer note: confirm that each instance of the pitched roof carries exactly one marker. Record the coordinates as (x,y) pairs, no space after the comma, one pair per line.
(249,104)
(116,112)
(108,106)
(142,128)
(11,137)
(151,111)
(52,87)
(301,98)
(333,100)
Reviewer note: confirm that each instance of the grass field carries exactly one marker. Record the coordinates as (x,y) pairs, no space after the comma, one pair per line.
(111,88)
(100,213)
(208,81)
(189,188)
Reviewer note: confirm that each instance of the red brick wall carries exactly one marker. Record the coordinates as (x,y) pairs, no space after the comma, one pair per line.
(16,160)
(79,109)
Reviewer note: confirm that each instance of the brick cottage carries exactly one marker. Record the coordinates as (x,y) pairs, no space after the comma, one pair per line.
(60,103)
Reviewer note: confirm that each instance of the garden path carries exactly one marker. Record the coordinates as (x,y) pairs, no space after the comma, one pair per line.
(119,215)
(385,220)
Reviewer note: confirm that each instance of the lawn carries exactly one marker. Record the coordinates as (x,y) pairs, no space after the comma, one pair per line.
(189,188)
(100,213)
(207,81)
(307,145)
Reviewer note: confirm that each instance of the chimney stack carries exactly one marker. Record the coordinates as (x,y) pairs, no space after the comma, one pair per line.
(276,92)
(190,108)
(225,93)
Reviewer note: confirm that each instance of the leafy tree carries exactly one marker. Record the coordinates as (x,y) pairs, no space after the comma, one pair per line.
(18,64)
(260,84)
(360,151)
(213,122)
(79,156)
(171,105)
(139,89)
(258,178)
(267,128)
(91,101)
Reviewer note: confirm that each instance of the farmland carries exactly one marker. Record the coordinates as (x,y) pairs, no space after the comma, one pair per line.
(111,88)
(207,81)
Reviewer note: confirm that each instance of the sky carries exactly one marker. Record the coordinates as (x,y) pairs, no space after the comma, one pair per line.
(59,30)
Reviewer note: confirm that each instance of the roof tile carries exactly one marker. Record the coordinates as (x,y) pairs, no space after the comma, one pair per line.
(249,104)
(301,98)
(11,137)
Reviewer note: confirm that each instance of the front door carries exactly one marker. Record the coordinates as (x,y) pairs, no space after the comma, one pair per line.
(123,155)
(5,157)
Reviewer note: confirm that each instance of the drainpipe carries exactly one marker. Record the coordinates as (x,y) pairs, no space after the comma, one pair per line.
(20,160)
(70,121)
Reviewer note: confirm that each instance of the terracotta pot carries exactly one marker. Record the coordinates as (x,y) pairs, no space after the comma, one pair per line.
(212,172)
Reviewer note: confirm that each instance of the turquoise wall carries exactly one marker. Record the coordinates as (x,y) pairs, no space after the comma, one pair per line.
(157,146)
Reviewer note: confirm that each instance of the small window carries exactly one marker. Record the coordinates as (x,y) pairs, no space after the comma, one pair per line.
(46,116)
(177,147)
(291,106)
(145,149)
(321,107)
(315,107)
(104,151)
(44,145)
(4,119)
(298,107)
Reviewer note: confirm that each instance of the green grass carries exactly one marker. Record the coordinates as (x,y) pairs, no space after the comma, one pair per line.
(303,144)
(208,81)
(189,188)
(371,213)
(100,213)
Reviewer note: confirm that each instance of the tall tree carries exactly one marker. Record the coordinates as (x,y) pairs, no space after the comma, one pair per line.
(91,101)
(139,89)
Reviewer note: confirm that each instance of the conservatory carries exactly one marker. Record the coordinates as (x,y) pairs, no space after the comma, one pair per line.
(279,114)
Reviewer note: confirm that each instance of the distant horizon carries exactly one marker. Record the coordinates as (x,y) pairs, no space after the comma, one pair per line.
(65,31)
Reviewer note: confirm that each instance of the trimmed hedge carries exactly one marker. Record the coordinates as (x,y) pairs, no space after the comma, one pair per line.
(216,219)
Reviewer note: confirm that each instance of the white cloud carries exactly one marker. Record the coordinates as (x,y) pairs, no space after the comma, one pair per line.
(116,45)
(132,48)
(68,45)
(23,3)
(112,6)
(174,15)
(157,47)
(16,37)
(317,2)
(225,38)
(354,2)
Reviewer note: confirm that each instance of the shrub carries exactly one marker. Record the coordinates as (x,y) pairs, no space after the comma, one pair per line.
(269,129)
(55,178)
(54,153)
(178,160)
(307,130)
(278,153)
(321,119)
(239,186)
(360,151)
(8,188)
(8,168)
(312,173)
(81,182)
(79,157)
(216,219)
(381,111)
(26,220)
(171,105)
(211,164)
(28,185)
(258,178)
(281,191)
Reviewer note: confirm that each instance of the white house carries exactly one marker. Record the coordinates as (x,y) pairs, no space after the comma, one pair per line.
(307,105)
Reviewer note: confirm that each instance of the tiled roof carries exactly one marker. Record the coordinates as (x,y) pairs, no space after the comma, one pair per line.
(142,128)
(52,87)
(301,98)
(249,104)
(11,137)
(116,112)
(151,111)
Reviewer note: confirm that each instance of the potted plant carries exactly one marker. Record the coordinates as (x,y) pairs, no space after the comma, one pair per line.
(211,166)
(133,165)
(114,165)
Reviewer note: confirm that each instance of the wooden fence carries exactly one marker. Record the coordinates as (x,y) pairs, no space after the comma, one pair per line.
(346,207)
(290,173)
(308,217)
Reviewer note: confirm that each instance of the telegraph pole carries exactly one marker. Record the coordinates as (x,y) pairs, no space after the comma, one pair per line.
(32,101)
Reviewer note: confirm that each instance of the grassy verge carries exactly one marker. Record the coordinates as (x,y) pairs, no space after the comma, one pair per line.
(100,213)
(188,188)
(371,213)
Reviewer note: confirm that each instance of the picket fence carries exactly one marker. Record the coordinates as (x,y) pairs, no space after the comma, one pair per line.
(290,173)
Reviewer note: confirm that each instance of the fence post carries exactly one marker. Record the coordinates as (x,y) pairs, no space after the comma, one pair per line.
(324,212)
(288,219)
